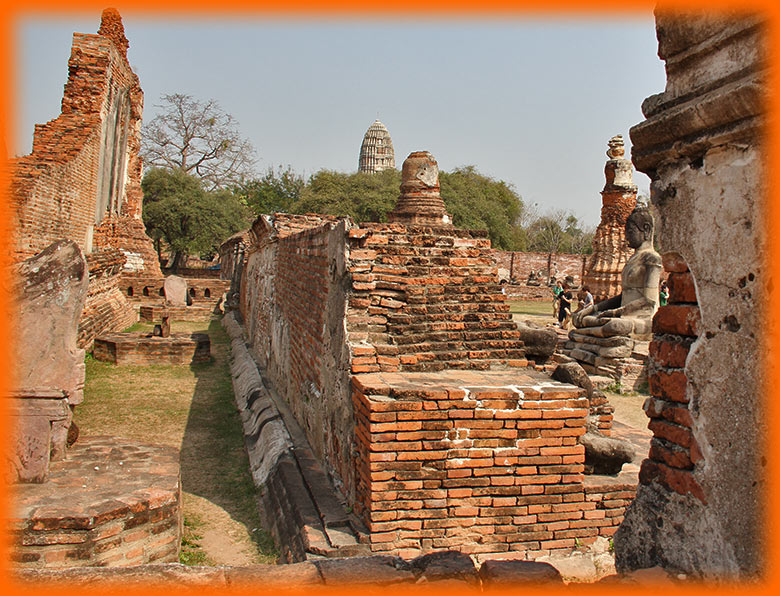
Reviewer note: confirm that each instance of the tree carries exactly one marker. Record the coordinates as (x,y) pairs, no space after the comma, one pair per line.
(198,138)
(362,196)
(188,219)
(276,191)
(478,202)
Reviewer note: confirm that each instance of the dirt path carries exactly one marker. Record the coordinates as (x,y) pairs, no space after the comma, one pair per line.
(191,408)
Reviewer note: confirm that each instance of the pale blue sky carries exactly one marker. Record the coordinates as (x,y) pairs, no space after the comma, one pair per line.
(530,101)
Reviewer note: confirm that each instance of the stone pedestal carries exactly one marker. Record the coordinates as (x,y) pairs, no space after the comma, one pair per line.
(623,359)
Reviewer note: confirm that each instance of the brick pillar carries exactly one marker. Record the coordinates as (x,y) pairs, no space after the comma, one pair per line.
(674,452)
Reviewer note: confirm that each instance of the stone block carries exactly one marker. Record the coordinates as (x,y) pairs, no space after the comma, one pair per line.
(503,573)
(175,288)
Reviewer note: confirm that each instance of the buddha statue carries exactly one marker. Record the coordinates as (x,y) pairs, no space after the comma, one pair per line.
(630,313)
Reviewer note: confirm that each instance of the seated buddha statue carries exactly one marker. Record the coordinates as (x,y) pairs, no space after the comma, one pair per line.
(631,312)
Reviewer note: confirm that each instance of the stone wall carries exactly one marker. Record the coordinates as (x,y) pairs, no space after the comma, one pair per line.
(700,507)
(517,266)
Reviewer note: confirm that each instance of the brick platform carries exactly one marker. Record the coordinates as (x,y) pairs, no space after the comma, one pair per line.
(143,348)
(111,503)
(153,313)
(480,461)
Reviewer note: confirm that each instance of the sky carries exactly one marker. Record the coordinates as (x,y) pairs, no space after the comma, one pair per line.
(528,100)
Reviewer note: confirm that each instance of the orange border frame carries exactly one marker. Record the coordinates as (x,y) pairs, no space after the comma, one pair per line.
(453,9)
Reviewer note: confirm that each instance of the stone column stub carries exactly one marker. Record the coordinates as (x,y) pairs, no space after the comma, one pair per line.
(420,202)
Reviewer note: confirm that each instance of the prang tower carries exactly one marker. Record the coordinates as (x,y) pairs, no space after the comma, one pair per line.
(376,152)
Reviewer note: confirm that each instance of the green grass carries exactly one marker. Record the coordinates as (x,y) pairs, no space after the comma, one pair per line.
(531,307)
(191,552)
(191,408)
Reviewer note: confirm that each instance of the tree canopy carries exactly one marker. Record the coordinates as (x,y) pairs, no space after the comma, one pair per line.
(198,138)
(188,219)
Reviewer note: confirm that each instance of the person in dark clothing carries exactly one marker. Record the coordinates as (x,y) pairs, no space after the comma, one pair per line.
(564,309)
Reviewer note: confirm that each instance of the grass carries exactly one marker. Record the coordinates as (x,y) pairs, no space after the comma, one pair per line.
(191,552)
(531,307)
(191,408)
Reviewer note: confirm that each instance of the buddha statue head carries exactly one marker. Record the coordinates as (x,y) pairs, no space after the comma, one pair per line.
(640,227)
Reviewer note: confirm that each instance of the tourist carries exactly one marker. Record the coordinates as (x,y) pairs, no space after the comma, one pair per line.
(557,291)
(663,294)
(588,298)
(564,309)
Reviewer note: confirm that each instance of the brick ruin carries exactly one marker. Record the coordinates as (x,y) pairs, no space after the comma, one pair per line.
(700,505)
(77,203)
(527,274)
(610,251)
(82,180)
(394,349)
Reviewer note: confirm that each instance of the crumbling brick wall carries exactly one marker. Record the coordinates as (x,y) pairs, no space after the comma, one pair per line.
(426,299)
(394,348)
(106,308)
(82,180)
(293,303)
(699,506)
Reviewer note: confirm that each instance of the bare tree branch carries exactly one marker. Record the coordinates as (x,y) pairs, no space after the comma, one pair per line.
(198,138)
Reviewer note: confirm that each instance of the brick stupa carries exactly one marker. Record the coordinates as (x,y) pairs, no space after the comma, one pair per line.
(610,251)
(420,202)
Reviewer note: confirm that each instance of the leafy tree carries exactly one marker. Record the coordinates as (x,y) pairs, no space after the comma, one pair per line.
(184,216)
(275,192)
(362,196)
(477,202)
(198,138)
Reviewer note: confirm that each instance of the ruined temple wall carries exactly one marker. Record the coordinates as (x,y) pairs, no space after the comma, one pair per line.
(106,308)
(293,303)
(56,189)
(519,265)
(702,145)
(82,180)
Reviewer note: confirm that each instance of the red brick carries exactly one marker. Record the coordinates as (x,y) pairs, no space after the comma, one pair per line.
(678,319)
(669,384)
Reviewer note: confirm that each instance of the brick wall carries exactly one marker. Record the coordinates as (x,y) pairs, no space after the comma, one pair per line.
(106,308)
(112,503)
(519,265)
(424,299)
(394,348)
(447,461)
(293,303)
(61,190)
(148,289)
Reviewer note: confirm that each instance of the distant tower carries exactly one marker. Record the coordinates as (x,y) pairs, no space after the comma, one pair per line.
(376,152)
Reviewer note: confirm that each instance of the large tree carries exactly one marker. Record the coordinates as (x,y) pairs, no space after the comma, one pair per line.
(188,219)
(198,138)
(278,190)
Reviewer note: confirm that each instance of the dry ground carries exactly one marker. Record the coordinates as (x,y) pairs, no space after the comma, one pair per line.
(192,408)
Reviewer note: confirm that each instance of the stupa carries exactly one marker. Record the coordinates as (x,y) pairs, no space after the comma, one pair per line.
(376,152)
